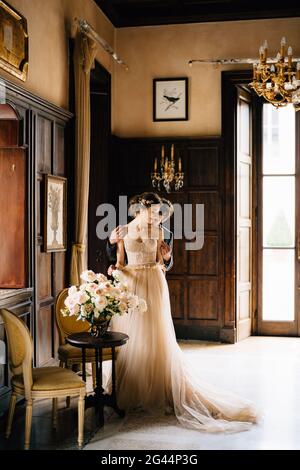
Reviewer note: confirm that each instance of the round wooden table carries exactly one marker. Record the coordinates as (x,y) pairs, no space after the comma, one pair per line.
(111,339)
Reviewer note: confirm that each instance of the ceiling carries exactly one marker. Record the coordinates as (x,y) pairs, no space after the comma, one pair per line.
(155,12)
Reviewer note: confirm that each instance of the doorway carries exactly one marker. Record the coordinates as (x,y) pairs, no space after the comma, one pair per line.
(278,223)
(100,94)
(266,240)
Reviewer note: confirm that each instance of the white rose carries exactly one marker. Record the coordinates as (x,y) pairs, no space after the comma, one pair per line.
(101,303)
(101,278)
(91,287)
(83,297)
(88,276)
(72,290)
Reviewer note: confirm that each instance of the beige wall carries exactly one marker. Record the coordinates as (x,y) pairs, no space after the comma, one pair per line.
(164,51)
(161,51)
(50,23)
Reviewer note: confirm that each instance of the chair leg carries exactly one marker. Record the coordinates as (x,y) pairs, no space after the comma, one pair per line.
(68,399)
(61,364)
(54,413)
(28,423)
(94,374)
(80,421)
(11,411)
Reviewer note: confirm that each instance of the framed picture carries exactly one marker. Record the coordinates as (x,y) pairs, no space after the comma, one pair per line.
(55,217)
(14,41)
(170,99)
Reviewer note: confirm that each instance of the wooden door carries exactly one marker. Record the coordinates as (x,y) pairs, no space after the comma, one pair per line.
(244,214)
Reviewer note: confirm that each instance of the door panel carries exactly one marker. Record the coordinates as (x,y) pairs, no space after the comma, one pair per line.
(244,215)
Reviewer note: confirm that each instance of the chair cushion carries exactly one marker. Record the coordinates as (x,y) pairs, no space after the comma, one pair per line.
(51,378)
(67,351)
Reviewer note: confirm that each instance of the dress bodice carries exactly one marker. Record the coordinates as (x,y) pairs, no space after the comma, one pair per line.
(140,251)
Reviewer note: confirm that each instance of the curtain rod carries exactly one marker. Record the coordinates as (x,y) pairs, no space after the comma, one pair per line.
(233,61)
(87,29)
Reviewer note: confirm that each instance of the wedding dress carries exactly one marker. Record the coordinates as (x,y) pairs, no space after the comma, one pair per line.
(151,370)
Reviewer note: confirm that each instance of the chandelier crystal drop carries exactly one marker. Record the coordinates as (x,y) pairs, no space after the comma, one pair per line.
(166,175)
(277,81)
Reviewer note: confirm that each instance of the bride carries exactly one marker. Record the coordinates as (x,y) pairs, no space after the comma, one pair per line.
(152,373)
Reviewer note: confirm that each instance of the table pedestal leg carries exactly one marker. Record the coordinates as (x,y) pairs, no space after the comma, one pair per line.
(113,396)
(99,389)
(100,399)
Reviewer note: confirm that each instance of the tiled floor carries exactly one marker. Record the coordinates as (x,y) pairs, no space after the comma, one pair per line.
(265,370)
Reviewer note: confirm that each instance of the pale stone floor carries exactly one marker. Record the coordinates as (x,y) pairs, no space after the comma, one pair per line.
(265,370)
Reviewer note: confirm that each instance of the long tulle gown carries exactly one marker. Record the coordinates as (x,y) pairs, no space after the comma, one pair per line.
(152,373)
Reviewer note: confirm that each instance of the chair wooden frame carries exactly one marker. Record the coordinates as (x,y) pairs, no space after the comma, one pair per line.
(20,350)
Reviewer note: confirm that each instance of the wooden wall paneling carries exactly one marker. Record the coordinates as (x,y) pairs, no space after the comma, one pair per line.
(45,334)
(203,298)
(50,267)
(59,265)
(177,291)
(19,302)
(42,131)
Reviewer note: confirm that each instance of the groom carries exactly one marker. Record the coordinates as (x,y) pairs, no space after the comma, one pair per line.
(119,233)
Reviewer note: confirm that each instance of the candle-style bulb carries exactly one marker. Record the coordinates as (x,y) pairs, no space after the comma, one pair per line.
(261,49)
(265,45)
(155,164)
(179,165)
(283,41)
(172,152)
(290,56)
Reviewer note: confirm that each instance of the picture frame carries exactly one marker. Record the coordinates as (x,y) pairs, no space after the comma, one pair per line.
(55,214)
(14,45)
(170,99)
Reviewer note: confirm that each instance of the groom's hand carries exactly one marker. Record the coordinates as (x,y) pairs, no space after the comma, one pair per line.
(166,251)
(110,270)
(118,234)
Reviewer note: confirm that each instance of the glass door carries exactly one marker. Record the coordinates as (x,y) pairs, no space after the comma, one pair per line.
(277,246)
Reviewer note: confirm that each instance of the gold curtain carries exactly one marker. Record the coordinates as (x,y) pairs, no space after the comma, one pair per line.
(84,54)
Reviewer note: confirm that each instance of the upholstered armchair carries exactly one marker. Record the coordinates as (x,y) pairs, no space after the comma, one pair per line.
(41,382)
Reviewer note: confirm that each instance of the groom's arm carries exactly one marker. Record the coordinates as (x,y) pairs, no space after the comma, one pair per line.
(111,251)
(111,245)
(169,241)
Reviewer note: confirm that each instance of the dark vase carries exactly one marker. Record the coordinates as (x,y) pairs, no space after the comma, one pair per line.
(99,327)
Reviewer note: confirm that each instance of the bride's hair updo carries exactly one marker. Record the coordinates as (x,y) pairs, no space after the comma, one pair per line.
(146,200)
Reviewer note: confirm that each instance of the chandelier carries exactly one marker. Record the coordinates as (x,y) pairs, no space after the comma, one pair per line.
(278,81)
(166,173)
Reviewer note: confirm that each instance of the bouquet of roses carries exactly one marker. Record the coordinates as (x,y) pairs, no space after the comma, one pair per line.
(100,298)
